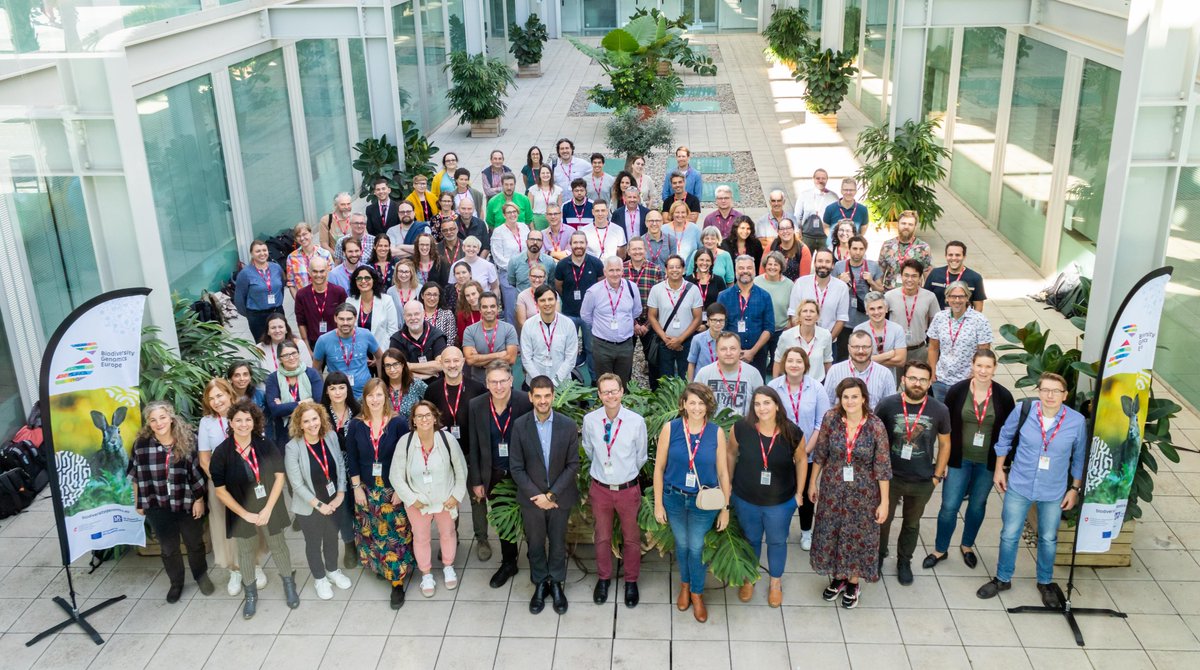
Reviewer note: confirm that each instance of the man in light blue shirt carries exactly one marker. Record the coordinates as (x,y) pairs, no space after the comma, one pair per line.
(348,349)
(609,308)
(1051,439)
(693,182)
(704,345)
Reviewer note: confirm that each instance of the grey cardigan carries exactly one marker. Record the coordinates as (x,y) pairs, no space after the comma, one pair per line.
(299,473)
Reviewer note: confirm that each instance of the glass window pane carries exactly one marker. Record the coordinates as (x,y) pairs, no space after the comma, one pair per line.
(407,73)
(433,41)
(362,91)
(936,92)
(851,26)
(1029,156)
(872,102)
(325,117)
(975,117)
(191,196)
(1089,165)
(1175,359)
(268,149)
(12,412)
(458,28)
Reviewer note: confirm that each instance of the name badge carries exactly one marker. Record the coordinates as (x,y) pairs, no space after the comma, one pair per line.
(454,432)
(676,324)
(422,359)
(270,298)
(764,478)
(690,480)
(847,473)
(350,378)
(578,294)
(906,451)
(260,492)
(427,477)
(503,449)
(1044,463)
(613,324)
(377,469)
(978,440)
(608,468)
(741,326)
(330,489)
(322,327)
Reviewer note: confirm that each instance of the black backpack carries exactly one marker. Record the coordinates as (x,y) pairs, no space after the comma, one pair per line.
(24,456)
(16,492)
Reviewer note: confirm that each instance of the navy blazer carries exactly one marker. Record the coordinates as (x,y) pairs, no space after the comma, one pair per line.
(528,467)
(375,223)
(618,217)
(277,412)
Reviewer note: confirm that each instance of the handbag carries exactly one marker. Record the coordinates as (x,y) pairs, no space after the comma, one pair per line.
(655,349)
(709,497)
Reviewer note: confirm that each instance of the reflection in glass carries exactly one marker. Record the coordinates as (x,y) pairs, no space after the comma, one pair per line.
(1089,165)
(936,91)
(30,26)
(975,115)
(433,42)
(1176,357)
(362,91)
(404,25)
(873,102)
(325,118)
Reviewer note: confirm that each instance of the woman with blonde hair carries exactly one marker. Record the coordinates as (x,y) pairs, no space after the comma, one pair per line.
(315,470)
(685,230)
(405,286)
(169,491)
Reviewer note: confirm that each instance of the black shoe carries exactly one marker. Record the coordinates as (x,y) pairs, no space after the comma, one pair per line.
(970,559)
(538,602)
(992,589)
(174,593)
(289,591)
(600,594)
(631,594)
(506,571)
(350,559)
(904,572)
(932,560)
(881,557)
(850,596)
(559,596)
(835,588)
(1050,595)
(397,596)
(205,584)
(249,600)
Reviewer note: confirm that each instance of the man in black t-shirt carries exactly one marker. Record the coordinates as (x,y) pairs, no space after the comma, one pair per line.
(917,425)
(955,270)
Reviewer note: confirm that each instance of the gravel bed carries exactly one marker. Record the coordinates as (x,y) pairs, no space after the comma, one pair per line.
(579,106)
(745,176)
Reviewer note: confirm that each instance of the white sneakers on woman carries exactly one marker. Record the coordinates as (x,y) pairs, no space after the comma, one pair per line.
(450,577)
(235,583)
(428,586)
(323,589)
(339,579)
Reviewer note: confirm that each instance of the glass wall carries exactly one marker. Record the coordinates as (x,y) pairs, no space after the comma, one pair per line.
(433,43)
(321,90)
(12,411)
(362,91)
(1029,156)
(79,25)
(268,149)
(874,76)
(458,29)
(936,91)
(1089,165)
(850,33)
(191,197)
(1176,360)
(975,116)
(404,28)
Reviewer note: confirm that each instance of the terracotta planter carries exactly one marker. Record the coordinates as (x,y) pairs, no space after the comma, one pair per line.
(489,128)
(529,71)
(646,112)
(1119,555)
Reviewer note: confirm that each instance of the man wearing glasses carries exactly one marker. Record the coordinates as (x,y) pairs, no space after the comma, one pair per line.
(955,334)
(614,439)
(1047,440)
(917,426)
(880,381)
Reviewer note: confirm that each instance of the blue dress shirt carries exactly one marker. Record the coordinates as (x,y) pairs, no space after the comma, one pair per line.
(693,183)
(1066,449)
(759,314)
(251,293)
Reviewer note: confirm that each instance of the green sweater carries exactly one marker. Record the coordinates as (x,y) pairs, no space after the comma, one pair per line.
(495,210)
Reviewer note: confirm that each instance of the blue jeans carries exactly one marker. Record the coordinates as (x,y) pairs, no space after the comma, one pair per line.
(508,295)
(674,363)
(938,390)
(689,525)
(773,520)
(974,480)
(585,356)
(1049,513)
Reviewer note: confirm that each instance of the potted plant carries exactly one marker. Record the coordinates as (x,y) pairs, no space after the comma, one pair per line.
(527,46)
(787,36)
(630,58)
(827,75)
(630,135)
(900,171)
(477,91)
(379,158)
(678,49)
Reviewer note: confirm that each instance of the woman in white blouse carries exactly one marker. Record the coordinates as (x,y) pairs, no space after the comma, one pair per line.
(429,474)
(376,312)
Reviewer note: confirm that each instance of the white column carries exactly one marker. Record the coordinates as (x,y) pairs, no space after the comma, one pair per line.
(833,17)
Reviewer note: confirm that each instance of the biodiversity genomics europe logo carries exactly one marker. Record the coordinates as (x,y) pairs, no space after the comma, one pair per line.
(82,368)
(1126,347)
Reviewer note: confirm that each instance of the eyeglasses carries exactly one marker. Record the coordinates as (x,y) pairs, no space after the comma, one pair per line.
(859,347)
(611,391)
(292,354)
(916,380)
(1051,392)
(362,278)
(499,382)
(426,416)
(393,365)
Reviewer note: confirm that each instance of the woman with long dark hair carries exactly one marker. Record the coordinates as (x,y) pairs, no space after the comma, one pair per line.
(702,276)
(241,376)
(430,267)
(280,331)
(403,390)
(381,259)
(376,312)
(437,316)
(468,306)
(742,241)
(339,403)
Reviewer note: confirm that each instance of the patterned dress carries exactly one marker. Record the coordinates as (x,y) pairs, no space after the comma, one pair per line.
(845,535)
(384,538)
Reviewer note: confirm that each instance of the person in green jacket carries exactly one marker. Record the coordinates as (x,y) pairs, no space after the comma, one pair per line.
(508,193)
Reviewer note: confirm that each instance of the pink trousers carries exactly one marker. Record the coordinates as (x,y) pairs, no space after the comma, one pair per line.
(422,537)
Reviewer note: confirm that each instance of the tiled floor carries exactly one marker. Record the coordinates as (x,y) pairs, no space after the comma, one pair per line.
(937,622)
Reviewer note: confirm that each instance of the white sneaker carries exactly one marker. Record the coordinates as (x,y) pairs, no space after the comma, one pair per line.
(450,577)
(235,583)
(806,540)
(260,578)
(339,579)
(428,585)
(324,590)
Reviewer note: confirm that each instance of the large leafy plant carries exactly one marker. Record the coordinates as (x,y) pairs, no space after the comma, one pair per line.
(827,75)
(902,171)
(678,48)
(630,56)
(380,158)
(527,43)
(479,85)
(786,35)
(206,350)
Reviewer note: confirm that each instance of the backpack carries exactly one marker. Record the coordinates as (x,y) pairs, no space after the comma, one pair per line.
(1069,292)
(16,492)
(205,311)
(24,456)
(280,246)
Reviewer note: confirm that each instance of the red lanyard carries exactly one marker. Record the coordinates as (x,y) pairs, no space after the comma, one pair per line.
(221,423)
(496,418)
(723,221)
(397,399)
(636,275)
(545,195)
(609,443)
(567,169)
(321,305)
(548,338)
(909,428)
(375,437)
(425,454)
(577,271)
(650,250)
(851,439)
(743,303)
(405,295)
(958,278)
(576,211)
(339,421)
(774,224)
(980,416)
(711,356)
(457,399)
(516,238)
(364,318)
(962,321)
(736,382)
(808,346)
(674,298)
(450,257)
(853,209)
(602,240)
(294,389)
(421,344)
(322,459)
(689,441)
(423,272)
(767,451)
(613,305)
(909,314)
(383,269)
(1046,442)
(554,239)
(347,358)
(879,341)
(252,459)
(795,399)
(266,277)
(596,185)
(491,342)
(818,295)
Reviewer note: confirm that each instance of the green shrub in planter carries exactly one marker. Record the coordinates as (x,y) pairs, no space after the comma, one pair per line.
(900,172)
(787,36)
(478,87)
(827,74)
(528,42)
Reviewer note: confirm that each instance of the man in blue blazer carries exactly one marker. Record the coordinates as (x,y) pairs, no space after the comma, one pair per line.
(632,214)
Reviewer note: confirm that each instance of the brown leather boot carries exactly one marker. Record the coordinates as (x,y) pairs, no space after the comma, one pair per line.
(698,609)
(685,597)
(775,595)
(746,592)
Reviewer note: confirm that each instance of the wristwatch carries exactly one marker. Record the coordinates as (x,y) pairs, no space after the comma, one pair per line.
(1077,489)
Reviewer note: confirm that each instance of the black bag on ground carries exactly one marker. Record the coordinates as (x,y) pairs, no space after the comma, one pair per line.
(16,492)
(24,456)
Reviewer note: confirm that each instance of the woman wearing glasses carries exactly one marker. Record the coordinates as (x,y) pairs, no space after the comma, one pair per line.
(290,384)
(376,312)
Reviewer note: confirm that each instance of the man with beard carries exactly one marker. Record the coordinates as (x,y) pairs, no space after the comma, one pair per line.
(573,276)
(904,246)
(832,297)
(955,270)
(917,425)
(880,381)
(861,276)
(405,235)
(569,168)
(358,233)
(731,379)
(913,308)
(518,266)
(466,225)
(508,195)
(352,255)
(751,314)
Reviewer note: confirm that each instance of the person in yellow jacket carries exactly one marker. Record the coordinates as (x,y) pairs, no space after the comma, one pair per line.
(444,180)
(424,201)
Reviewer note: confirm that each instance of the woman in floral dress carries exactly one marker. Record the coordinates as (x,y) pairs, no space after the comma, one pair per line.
(852,468)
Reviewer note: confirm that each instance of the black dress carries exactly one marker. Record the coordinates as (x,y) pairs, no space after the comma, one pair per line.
(231,470)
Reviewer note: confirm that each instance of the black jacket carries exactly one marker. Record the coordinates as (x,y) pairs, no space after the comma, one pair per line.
(959,394)
(479,455)
(529,469)
(375,223)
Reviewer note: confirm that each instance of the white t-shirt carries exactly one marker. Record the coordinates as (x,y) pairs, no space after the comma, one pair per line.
(603,243)
(891,338)
(833,301)
(663,298)
(482,271)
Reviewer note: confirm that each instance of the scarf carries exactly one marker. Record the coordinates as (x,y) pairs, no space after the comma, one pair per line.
(301,377)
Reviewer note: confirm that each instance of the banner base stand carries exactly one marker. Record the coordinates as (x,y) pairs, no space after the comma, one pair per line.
(1067,611)
(76,617)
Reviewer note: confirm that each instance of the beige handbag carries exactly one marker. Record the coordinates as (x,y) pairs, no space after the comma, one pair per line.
(709,498)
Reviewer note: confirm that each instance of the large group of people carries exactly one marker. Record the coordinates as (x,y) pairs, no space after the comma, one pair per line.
(396,405)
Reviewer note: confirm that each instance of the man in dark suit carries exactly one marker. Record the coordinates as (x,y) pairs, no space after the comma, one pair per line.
(545,462)
(491,428)
(632,214)
(383,214)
